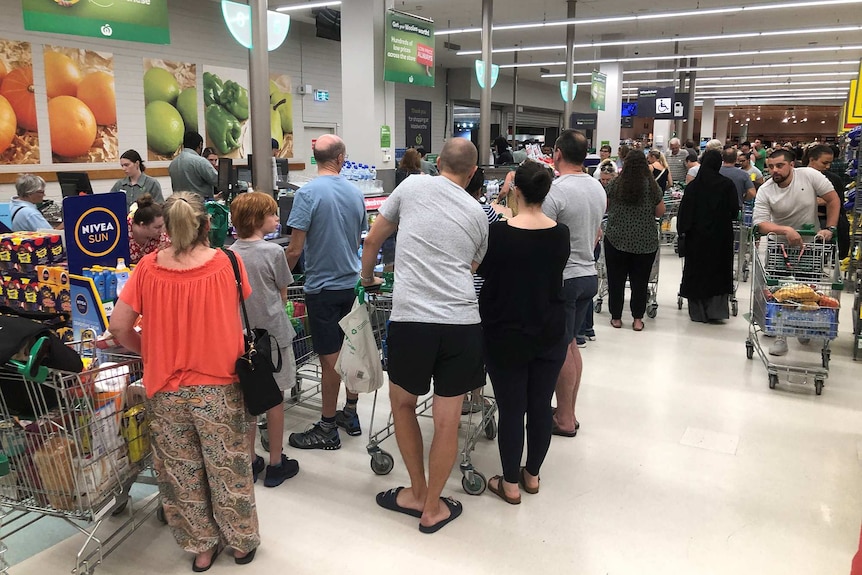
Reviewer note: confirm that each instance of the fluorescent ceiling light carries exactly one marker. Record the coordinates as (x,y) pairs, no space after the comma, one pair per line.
(307,6)
(774,84)
(653,16)
(669,40)
(700,56)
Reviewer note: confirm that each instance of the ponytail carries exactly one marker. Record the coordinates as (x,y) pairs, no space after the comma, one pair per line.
(187,221)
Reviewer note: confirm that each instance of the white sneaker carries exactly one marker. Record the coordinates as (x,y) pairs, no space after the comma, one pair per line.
(779,346)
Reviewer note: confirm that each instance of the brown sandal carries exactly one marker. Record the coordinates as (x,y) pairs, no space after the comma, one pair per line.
(635,325)
(617,323)
(523,481)
(500,491)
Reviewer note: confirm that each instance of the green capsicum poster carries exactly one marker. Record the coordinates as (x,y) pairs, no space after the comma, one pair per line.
(171,106)
(227,111)
(409,57)
(132,20)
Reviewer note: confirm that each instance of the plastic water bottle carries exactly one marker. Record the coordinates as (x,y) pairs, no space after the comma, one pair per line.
(122,275)
(373,173)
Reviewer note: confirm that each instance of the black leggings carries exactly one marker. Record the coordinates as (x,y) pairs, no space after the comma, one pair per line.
(635,268)
(525,389)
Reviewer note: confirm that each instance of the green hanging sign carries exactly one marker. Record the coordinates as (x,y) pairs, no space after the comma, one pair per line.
(409,54)
(131,20)
(598,89)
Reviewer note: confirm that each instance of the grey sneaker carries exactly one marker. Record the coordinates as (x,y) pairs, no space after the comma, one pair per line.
(349,421)
(779,346)
(316,438)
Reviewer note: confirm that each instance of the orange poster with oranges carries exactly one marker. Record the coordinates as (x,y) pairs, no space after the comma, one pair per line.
(82,107)
(19,140)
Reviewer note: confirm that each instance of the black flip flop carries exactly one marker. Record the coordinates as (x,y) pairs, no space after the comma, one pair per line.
(197,569)
(557,431)
(455,509)
(389,500)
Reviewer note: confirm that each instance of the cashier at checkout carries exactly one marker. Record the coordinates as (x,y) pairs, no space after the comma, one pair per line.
(25,214)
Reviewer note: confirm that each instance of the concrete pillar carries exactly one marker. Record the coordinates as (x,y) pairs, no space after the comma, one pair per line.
(707,119)
(485,99)
(661,133)
(721,119)
(258,72)
(570,57)
(371,101)
(608,125)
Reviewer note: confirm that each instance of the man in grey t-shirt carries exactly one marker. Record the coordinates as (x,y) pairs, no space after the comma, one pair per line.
(676,157)
(579,201)
(742,181)
(434,330)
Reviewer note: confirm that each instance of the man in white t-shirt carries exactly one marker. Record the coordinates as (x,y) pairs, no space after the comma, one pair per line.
(580,202)
(788,202)
(434,330)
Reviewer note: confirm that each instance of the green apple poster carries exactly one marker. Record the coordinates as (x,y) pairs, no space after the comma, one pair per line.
(409,57)
(136,21)
(171,106)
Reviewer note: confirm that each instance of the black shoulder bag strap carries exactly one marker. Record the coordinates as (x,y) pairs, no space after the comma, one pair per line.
(15,213)
(249,333)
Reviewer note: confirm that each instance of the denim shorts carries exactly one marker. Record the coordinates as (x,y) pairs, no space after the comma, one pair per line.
(578,293)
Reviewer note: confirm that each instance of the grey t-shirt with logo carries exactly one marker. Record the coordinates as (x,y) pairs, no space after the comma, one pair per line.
(441,231)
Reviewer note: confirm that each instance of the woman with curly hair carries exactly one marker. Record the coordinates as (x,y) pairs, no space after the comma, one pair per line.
(631,237)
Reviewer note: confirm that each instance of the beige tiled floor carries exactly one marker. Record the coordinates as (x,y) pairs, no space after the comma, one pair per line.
(686,463)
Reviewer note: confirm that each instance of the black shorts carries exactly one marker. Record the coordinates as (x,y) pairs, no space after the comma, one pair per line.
(325,309)
(578,293)
(450,354)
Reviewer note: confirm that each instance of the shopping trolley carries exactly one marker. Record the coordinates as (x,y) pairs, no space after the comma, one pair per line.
(75,444)
(795,292)
(307,388)
(382,462)
(602,275)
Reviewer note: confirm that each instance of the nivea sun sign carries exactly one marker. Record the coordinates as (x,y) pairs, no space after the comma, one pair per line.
(97,230)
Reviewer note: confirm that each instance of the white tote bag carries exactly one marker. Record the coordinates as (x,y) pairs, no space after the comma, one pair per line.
(359,361)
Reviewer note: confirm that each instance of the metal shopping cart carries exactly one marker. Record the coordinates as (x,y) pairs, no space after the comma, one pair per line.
(75,446)
(307,388)
(652,287)
(795,292)
(478,421)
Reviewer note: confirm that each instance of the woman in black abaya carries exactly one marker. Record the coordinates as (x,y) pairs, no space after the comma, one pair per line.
(706,215)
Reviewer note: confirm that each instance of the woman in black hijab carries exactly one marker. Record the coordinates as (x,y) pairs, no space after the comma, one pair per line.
(706,215)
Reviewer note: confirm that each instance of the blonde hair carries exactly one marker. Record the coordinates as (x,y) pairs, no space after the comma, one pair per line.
(660,158)
(186,220)
(248,212)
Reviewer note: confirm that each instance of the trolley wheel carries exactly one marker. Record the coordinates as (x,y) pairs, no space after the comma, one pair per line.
(749,349)
(476,486)
(734,308)
(295,391)
(773,380)
(678,302)
(491,429)
(825,355)
(120,507)
(745,274)
(818,386)
(160,515)
(382,463)
(264,439)
(598,306)
(652,311)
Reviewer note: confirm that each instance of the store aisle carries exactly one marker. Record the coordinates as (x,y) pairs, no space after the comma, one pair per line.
(686,463)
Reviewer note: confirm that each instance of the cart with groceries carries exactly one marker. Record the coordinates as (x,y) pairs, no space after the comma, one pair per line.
(795,293)
(73,444)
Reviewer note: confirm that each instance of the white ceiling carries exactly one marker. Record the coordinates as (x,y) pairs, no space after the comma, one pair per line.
(830,42)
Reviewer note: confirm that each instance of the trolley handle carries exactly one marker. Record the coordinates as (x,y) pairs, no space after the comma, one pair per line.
(362,291)
(806,231)
(33,369)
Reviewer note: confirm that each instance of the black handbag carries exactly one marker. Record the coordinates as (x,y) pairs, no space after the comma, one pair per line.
(254,368)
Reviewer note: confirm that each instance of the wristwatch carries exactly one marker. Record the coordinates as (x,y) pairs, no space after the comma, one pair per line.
(833,229)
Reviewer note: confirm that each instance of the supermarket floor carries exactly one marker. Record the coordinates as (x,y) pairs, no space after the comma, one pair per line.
(686,463)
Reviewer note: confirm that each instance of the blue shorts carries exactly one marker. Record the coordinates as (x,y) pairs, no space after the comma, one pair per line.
(578,293)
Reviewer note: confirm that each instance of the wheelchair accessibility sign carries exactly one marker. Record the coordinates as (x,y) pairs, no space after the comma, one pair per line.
(663,106)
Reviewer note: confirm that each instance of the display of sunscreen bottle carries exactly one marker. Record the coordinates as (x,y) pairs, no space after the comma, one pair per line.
(122,274)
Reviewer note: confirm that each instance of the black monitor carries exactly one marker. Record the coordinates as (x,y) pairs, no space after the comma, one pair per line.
(74,183)
(282,171)
(226,177)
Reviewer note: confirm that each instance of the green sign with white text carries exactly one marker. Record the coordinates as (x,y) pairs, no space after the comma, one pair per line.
(131,20)
(598,88)
(409,50)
